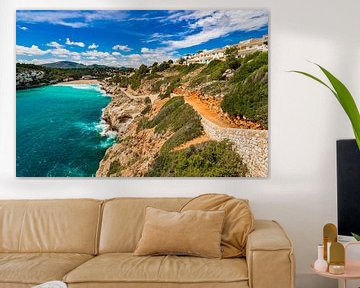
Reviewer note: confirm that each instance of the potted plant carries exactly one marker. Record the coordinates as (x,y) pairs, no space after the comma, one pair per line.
(346,100)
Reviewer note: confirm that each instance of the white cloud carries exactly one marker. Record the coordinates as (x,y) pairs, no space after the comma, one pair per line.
(161,37)
(76,57)
(54,44)
(215,24)
(116,53)
(145,50)
(95,53)
(93,46)
(70,18)
(110,58)
(62,52)
(72,43)
(148,56)
(23,28)
(37,61)
(33,50)
(125,48)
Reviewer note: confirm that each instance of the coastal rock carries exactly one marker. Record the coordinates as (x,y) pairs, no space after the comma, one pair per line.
(29,78)
(136,149)
(121,111)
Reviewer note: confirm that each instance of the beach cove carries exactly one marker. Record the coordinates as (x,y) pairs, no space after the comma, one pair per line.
(60,131)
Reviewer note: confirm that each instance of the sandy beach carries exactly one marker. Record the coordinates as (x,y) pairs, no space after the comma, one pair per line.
(90,81)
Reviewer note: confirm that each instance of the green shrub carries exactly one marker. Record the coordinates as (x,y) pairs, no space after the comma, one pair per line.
(135,79)
(146,109)
(153,75)
(215,69)
(147,100)
(156,86)
(233,62)
(250,64)
(214,88)
(120,80)
(143,124)
(168,108)
(211,72)
(114,169)
(186,133)
(178,117)
(249,97)
(198,81)
(163,66)
(209,159)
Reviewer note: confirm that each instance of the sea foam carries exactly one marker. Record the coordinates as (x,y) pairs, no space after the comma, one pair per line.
(95,87)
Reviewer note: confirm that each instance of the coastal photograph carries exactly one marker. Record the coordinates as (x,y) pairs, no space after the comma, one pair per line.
(142,93)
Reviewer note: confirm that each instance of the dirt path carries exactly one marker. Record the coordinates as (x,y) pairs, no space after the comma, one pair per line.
(205,111)
(198,140)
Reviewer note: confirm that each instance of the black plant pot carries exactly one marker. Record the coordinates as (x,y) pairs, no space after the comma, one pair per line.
(348,187)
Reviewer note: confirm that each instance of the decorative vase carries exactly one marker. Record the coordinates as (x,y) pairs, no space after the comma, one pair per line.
(320,264)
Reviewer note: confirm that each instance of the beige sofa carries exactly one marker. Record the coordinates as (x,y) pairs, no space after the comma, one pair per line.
(89,243)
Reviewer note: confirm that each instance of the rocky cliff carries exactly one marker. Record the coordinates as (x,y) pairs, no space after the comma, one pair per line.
(171,123)
(136,149)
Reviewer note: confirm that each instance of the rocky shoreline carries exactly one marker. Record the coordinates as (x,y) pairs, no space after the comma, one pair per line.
(122,110)
(119,115)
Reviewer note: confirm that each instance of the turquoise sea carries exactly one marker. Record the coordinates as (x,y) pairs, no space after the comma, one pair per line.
(59,132)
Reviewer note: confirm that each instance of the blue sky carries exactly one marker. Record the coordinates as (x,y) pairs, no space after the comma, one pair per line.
(130,37)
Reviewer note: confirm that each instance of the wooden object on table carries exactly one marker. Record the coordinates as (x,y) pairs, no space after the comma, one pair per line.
(330,236)
(352,268)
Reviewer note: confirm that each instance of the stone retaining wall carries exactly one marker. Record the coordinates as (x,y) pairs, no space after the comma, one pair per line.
(252,145)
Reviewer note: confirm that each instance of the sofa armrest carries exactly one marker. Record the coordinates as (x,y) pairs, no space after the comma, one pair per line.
(269,255)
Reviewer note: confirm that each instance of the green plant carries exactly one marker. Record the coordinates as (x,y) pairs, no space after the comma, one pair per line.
(356,236)
(248,92)
(115,168)
(344,97)
(177,117)
(146,109)
(147,101)
(209,159)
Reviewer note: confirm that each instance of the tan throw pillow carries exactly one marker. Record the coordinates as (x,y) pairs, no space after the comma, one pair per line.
(196,233)
(238,224)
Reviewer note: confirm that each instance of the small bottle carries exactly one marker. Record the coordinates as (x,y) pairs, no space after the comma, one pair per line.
(320,264)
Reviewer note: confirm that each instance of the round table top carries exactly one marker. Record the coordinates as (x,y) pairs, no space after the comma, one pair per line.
(352,271)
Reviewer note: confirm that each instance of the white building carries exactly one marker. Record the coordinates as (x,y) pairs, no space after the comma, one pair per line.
(245,47)
(252,45)
(206,56)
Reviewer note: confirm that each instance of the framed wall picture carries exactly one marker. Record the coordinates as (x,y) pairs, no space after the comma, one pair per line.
(145,93)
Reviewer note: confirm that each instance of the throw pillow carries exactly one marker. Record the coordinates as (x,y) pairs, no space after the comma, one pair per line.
(196,233)
(238,224)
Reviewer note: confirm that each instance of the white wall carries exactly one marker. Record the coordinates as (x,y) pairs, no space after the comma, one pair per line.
(305,119)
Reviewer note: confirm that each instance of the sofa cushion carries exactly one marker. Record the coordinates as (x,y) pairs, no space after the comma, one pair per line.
(194,232)
(239,220)
(127,268)
(36,268)
(62,226)
(123,220)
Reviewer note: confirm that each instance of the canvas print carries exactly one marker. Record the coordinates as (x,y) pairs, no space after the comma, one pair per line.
(158,93)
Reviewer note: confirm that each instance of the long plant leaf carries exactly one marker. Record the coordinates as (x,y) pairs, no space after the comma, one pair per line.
(347,102)
(316,79)
(344,97)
